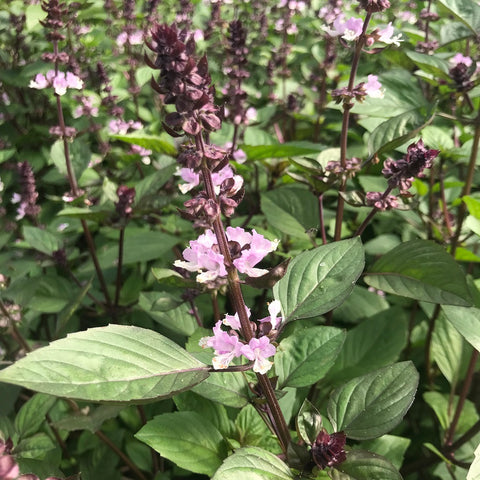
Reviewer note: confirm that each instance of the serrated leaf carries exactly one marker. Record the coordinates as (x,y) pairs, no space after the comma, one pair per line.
(361,465)
(305,357)
(150,142)
(320,279)
(253,463)
(422,270)
(116,363)
(187,439)
(370,406)
(374,343)
(396,131)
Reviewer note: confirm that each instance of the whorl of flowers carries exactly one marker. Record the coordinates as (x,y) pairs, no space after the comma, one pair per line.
(401,173)
(235,69)
(328,449)
(27,198)
(183,82)
(373,6)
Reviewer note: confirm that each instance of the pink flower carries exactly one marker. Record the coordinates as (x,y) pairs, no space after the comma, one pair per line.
(233,321)
(191,177)
(459,58)
(258,350)
(386,36)
(120,127)
(348,30)
(239,156)
(59,81)
(201,256)
(373,88)
(226,346)
(274,308)
(259,248)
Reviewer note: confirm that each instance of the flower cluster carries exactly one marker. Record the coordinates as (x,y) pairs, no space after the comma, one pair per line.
(381,201)
(461,72)
(227,344)
(27,198)
(351,29)
(328,449)
(183,82)
(401,173)
(126,197)
(218,178)
(58,80)
(372,88)
(234,67)
(246,249)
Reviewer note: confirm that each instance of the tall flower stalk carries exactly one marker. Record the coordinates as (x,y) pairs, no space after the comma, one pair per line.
(56,11)
(185,83)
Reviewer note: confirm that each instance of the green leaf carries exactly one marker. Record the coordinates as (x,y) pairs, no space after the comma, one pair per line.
(212,411)
(422,270)
(282,150)
(467,11)
(473,205)
(91,421)
(116,363)
(445,407)
(372,405)
(151,142)
(178,320)
(253,463)
(41,240)
(359,305)
(252,431)
(32,414)
(186,439)
(453,31)
(151,184)
(449,350)
(466,321)
(93,214)
(396,131)
(474,470)
(320,279)
(361,465)
(374,343)
(35,447)
(430,64)
(304,357)
(308,422)
(141,245)
(228,388)
(391,447)
(291,209)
